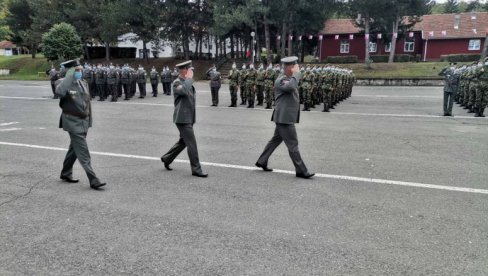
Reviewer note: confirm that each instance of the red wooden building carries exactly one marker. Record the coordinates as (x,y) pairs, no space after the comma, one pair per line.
(435,35)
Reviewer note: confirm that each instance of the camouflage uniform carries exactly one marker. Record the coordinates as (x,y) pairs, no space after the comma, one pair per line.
(251,86)
(233,86)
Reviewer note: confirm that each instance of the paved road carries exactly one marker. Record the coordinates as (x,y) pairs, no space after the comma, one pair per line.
(400,191)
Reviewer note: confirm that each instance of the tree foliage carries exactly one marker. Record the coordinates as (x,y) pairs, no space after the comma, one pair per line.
(61,42)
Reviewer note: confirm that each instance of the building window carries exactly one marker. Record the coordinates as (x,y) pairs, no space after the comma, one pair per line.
(344,46)
(373,47)
(409,45)
(388,47)
(474,45)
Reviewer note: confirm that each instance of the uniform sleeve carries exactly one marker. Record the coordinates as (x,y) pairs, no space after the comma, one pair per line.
(64,84)
(182,88)
(287,84)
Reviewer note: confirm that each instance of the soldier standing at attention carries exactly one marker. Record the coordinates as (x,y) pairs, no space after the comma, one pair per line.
(125,80)
(242,84)
(141,82)
(133,82)
(184,117)
(76,119)
(154,78)
(112,77)
(119,81)
(269,78)
(215,83)
(174,74)
(100,79)
(251,85)
(53,76)
(260,84)
(285,116)
(166,81)
(481,100)
(88,77)
(233,85)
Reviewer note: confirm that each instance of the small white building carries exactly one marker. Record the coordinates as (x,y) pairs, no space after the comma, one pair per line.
(165,48)
(8,48)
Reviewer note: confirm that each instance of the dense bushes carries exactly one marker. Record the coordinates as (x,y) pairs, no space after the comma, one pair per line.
(342,59)
(461,58)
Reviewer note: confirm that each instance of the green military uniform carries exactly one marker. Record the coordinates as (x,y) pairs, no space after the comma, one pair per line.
(307,81)
(269,78)
(233,86)
(242,83)
(250,86)
(76,118)
(481,100)
(260,85)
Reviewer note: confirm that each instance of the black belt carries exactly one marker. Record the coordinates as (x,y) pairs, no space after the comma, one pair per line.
(77,114)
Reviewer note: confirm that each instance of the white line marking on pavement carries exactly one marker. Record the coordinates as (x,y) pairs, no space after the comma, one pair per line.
(269,110)
(10,129)
(398,96)
(319,175)
(8,124)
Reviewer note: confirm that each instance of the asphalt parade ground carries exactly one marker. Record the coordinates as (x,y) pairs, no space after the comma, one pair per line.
(399,190)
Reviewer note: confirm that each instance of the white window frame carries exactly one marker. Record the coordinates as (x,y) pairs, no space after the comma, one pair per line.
(474,45)
(409,46)
(345,46)
(373,47)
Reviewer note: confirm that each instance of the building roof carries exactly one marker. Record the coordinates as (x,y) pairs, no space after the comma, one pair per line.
(7,44)
(469,25)
(340,26)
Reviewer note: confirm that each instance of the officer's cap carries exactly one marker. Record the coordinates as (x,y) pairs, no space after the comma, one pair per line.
(184,65)
(290,60)
(71,63)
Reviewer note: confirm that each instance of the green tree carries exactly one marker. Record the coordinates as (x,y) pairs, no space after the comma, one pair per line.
(451,6)
(62,42)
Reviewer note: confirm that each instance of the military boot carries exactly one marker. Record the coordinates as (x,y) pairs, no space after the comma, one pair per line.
(268,106)
(326,108)
(243,102)
(471,109)
(306,107)
(480,112)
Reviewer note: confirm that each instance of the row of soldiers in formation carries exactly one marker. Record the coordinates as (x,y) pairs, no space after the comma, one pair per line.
(104,81)
(469,85)
(319,84)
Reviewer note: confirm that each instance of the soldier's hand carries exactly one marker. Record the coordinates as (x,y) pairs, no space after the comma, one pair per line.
(295,69)
(189,74)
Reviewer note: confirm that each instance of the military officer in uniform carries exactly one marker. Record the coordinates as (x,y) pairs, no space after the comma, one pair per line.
(215,84)
(53,76)
(184,117)
(286,115)
(233,85)
(76,118)
(154,78)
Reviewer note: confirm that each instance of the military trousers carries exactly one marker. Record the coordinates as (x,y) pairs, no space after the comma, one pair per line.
(288,134)
(215,95)
(481,96)
(101,91)
(260,93)
(53,87)
(167,88)
(243,93)
(448,102)
(233,93)
(119,89)
(472,94)
(113,91)
(154,87)
(268,95)
(78,149)
(250,93)
(142,89)
(187,140)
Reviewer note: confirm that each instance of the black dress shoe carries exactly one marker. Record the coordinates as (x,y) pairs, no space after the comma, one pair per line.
(200,174)
(265,168)
(305,175)
(166,165)
(69,179)
(97,185)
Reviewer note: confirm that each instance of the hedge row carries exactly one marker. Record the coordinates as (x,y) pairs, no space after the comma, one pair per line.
(342,59)
(374,58)
(461,58)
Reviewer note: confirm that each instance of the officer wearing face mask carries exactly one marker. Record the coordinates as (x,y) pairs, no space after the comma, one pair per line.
(76,118)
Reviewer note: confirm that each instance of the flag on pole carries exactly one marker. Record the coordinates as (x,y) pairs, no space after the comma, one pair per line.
(410,34)
(431,34)
(379,36)
(310,37)
(320,37)
(444,33)
(366,36)
(351,37)
(336,37)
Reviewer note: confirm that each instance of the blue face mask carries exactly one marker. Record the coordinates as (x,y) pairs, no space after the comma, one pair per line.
(77,75)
